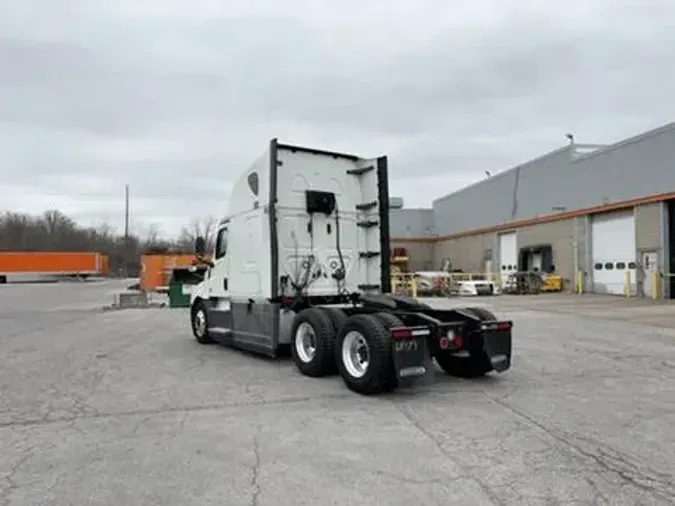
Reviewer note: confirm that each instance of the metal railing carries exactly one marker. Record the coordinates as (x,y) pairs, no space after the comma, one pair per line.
(656,278)
(443,284)
(447,284)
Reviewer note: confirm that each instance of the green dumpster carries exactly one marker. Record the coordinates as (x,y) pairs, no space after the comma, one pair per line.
(180,286)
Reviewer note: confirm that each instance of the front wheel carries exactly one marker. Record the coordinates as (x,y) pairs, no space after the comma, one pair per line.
(200,323)
(363,355)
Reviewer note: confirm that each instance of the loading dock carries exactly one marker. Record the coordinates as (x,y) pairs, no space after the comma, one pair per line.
(537,258)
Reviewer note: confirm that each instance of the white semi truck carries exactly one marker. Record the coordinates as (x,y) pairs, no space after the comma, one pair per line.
(302,262)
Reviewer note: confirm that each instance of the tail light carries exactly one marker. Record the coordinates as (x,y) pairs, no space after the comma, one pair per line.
(452,340)
(401,333)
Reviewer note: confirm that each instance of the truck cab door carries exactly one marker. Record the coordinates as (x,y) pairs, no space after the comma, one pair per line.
(217,276)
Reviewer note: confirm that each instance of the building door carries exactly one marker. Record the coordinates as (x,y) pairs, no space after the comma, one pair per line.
(649,262)
(613,247)
(508,256)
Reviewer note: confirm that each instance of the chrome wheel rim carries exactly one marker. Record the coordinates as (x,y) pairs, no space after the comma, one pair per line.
(355,354)
(200,322)
(305,342)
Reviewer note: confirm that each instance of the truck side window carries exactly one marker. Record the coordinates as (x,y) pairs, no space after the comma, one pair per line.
(253,183)
(221,243)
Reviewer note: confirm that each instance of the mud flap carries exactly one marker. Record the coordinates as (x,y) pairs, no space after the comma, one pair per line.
(497,345)
(412,361)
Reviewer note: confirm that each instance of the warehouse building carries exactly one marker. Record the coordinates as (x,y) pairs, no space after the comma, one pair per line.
(600,216)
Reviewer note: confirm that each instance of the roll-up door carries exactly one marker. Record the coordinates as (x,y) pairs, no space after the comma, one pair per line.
(508,256)
(613,245)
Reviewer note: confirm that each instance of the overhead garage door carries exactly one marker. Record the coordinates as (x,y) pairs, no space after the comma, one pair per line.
(613,245)
(508,255)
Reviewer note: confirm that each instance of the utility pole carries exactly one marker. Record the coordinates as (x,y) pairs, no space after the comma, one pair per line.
(126,212)
(125,259)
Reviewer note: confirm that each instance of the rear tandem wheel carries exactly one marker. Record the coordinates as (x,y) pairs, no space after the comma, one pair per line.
(312,342)
(364,356)
(477,364)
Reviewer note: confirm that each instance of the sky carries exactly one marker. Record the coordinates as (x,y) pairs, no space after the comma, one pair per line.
(177,98)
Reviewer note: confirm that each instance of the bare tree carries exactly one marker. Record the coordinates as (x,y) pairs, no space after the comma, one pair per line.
(205,227)
(55,231)
(152,235)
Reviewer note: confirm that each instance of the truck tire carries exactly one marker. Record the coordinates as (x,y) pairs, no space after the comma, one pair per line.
(364,356)
(473,366)
(477,364)
(312,341)
(388,320)
(481,313)
(337,317)
(408,302)
(200,323)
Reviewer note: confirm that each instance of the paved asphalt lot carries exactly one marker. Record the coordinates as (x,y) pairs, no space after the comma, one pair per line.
(125,408)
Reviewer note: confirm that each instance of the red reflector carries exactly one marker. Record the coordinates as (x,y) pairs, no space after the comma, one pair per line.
(288,301)
(504,326)
(458,341)
(401,334)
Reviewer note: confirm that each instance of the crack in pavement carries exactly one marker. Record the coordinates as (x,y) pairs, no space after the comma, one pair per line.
(655,483)
(45,420)
(439,447)
(9,478)
(255,470)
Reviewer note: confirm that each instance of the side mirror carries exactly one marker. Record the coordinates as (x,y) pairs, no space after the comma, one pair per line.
(200,246)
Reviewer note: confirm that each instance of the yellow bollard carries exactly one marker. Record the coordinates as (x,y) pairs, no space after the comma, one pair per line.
(413,287)
(626,284)
(580,282)
(656,286)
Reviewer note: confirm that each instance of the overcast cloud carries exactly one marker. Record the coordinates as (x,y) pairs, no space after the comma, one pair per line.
(177,97)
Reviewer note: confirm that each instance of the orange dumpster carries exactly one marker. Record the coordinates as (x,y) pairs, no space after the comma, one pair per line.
(156,269)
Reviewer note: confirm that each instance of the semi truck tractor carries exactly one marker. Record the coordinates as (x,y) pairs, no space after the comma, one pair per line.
(302,263)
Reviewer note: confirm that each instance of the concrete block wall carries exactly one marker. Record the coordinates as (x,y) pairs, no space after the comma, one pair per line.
(421,254)
(466,253)
(648,228)
(650,236)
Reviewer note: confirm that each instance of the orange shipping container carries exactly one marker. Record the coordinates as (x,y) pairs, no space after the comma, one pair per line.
(53,263)
(156,270)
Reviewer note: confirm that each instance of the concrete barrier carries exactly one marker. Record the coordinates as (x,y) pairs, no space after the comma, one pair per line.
(133,300)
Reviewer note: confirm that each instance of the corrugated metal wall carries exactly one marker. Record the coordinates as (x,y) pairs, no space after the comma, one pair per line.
(411,223)
(637,167)
(480,205)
